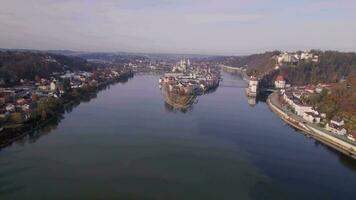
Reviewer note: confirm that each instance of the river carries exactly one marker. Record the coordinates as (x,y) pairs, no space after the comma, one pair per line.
(127,143)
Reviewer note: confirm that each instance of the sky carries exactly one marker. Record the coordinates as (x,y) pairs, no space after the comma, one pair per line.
(221,27)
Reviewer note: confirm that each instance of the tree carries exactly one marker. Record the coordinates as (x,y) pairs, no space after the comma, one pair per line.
(66,85)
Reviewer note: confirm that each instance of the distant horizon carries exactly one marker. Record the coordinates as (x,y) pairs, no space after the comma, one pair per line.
(214,27)
(164,53)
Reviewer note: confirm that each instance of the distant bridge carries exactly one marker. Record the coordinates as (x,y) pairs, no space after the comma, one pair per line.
(232,84)
(231,69)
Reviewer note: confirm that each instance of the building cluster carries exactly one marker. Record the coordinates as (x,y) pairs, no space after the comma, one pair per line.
(294,98)
(294,58)
(151,65)
(23,99)
(192,80)
(183,66)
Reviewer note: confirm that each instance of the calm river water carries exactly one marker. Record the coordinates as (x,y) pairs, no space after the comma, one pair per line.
(128,144)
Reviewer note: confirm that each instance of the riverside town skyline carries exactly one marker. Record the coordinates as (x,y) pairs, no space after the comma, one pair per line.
(178,99)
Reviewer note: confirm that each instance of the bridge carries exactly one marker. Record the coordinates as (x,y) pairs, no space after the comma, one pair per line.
(233,84)
(231,69)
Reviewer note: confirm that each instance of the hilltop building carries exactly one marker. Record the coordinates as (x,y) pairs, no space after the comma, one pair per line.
(294,58)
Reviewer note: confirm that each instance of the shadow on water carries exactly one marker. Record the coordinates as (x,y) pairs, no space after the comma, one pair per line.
(345,160)
(174,102)
(261,97)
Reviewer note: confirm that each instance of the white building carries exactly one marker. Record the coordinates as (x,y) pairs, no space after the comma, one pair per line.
(253,85)
(311,117)
(306,55)
(297,105)
(337,121)
(10,108)
(280,83)
(286,58)
(336,126)
(53,85)
(352,136)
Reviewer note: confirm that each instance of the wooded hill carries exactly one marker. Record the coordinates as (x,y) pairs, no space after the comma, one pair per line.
(29,65)
(259,63)
(331,67)
(340,101)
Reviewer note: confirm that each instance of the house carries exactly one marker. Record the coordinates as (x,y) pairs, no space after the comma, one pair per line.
(26,108)
(337,121)
(306,56)
(301,108)
(280,83)
(352,136)
(21,101)
(336,126)
(311,117)
(315,58)
(53,85)
(323,115)
(297,94)
(286,58)
(293,99)
(10,108)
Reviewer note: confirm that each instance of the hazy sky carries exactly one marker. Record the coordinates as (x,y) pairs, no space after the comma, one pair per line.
(179,26)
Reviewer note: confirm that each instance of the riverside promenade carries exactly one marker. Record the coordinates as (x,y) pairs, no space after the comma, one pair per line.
(340,143)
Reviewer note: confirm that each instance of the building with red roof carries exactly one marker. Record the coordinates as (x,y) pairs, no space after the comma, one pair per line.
(280,82)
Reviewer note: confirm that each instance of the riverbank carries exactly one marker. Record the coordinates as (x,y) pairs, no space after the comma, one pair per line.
(317,133)
(14,132)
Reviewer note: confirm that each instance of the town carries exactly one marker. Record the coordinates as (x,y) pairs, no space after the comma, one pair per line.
(292,104)
(187,79)
(295,99)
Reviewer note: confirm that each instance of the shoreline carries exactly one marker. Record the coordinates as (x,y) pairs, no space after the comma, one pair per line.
(36,125)
(333,142)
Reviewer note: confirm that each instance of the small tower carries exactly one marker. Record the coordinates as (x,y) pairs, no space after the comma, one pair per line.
(252,88)
(253,85)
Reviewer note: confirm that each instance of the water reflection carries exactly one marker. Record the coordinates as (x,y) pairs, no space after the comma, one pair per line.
(177,102)
(174,101)
(251,101)
(219,150)
(32,132)
(261,97)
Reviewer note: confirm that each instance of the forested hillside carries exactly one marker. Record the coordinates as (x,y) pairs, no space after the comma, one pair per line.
(332,67)
(261,63)
(340,101)
(336,68)
(28,65)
